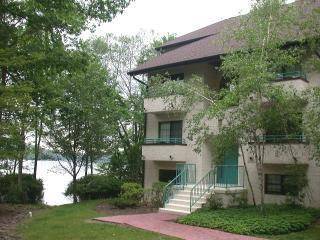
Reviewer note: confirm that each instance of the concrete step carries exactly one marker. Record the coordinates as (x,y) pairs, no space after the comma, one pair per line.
(173,211)
(185,202)
(180,207)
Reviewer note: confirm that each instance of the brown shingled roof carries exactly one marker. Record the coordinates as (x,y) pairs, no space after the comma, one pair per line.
(198,45)
(203,32)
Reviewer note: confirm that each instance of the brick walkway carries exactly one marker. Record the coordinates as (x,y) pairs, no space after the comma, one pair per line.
(164,223)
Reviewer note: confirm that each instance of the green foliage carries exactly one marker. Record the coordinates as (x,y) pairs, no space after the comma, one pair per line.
(123,203)
(239,199)
(125,165)
(214,202)
(154,196)
(131,196)
(249,221)
(295,184)
(132,191)
(32,190)
(94,187)
(311,121)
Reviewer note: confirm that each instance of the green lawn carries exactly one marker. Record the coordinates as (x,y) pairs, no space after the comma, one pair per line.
(73,222)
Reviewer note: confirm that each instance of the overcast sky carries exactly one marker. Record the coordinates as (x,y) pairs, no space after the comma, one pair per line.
(172,16)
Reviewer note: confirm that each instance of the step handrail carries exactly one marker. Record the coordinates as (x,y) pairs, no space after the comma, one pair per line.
(168,189)
(202,187)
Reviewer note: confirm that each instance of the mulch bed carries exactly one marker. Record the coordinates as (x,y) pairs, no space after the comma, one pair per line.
(10,217)
(109,210)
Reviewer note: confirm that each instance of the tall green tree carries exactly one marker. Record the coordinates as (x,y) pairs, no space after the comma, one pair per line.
(84,118)
(33,51)
(120,54)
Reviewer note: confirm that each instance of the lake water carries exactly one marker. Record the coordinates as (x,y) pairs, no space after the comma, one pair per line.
(55,181)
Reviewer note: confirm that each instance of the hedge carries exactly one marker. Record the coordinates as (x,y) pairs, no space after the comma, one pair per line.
(95,187)
(32,189)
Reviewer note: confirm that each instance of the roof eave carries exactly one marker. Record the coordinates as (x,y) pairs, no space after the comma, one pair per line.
(148,70)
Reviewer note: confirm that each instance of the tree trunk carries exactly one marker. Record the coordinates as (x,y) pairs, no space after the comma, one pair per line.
(86,165)
(248,177)
(21,156)
(15,166)
(91,164)
(38,135)
(74,181)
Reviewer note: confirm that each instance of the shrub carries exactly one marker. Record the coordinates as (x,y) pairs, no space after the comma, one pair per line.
(278,219)
(95,187)
(131,196)
(157,194)
(239,199)
(295,183)
(132,191)
(32,189)
(214,202)
(122,203)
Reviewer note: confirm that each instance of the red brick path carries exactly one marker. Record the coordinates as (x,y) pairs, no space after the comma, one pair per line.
(164,223)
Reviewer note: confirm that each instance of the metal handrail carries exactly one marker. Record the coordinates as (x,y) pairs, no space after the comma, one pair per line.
(164,141)
(210,180)
(202,187)
(179,182)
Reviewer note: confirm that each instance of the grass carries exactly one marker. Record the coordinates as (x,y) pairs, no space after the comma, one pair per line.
(249,221)
(74,222)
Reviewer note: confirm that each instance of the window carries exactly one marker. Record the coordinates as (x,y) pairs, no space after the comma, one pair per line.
(274,184)
(171,132)
(166,175)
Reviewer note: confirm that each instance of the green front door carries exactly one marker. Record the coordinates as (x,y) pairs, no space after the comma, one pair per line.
(227,173)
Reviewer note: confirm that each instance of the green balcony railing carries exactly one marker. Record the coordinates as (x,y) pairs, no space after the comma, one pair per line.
(169,141)
(291,75)
(282,138)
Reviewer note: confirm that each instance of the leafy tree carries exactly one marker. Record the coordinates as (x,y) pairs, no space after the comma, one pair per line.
(119,54)
(33,53)
(83,119)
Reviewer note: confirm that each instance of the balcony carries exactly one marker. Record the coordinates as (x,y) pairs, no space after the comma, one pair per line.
(296,79)
(282,149)
(164,149)
(283,139)
(164,141)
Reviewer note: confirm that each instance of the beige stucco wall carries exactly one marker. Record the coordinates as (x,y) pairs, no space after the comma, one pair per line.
(152,171)
(158,156)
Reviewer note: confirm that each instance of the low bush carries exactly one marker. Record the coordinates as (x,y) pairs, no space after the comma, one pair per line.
(153,197)
(131,196)
(122,203)
(278,219)
(214,202)
(32,189)
(95,187)
(157,194)
(132,191)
